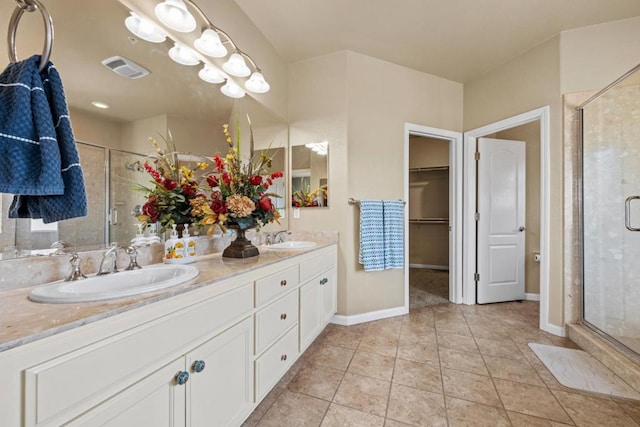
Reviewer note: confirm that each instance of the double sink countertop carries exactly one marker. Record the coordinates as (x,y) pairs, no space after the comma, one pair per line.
(23,321)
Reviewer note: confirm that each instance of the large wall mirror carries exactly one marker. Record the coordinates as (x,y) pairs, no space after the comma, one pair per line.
(113,142)
(310,175)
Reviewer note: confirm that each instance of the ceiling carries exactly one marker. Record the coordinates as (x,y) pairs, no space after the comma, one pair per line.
(456,39)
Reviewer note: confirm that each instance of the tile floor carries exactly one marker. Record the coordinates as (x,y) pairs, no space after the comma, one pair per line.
(444,365)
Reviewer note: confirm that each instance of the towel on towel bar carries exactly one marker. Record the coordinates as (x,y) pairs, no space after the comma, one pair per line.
(381,234)
(39,161)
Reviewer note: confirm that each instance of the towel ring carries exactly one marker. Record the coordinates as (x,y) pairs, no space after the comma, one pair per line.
(30,6)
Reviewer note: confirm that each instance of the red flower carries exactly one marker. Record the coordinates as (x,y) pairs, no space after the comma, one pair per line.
(276,175)
(149,209)
(265,204)
(212,180)
(189,191)
(219,163)
(218,206)
(226,178)
(170,184)
(255,180)
(154,173)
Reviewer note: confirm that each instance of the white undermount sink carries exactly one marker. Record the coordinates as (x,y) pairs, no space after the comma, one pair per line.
(292,245)
(115,285)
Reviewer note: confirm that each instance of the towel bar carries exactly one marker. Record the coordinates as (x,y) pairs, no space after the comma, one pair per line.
(30,6)
(353,201)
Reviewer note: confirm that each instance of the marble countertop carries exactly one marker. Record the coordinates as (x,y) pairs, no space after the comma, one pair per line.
(23,321)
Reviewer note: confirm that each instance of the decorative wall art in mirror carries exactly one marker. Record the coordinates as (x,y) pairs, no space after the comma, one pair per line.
(309,175)
(113,141)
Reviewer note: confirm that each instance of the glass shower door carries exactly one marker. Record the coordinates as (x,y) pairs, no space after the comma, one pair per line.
(611,212)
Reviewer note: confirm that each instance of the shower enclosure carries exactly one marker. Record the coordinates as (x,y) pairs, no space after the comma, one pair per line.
(610,207)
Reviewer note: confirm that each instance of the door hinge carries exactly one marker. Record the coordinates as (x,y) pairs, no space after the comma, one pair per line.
(477,155)
(476,277)
(476,216)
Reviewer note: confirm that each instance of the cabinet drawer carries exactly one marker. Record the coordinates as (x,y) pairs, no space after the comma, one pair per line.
(274,362)
(317,265)
(277,284)
(66,386)
(274,319)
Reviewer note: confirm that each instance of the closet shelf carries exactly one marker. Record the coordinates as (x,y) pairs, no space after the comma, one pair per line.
(429,220)
(429,169)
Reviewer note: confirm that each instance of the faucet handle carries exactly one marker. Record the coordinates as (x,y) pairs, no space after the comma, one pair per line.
(61,247)
(76,272)
(133,258)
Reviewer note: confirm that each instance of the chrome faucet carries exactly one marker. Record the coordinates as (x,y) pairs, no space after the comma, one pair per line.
(76,272)
(61,247)
(109,261)
(277,237)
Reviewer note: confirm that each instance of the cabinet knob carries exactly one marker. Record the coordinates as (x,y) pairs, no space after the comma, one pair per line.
(283,316)
(181,377)
(324,281)
(283,357)
(198,366)
(283,283)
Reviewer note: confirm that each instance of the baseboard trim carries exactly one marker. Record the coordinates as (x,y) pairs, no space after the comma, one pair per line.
(429,266)
(553,329)
(354,319)
(532,297)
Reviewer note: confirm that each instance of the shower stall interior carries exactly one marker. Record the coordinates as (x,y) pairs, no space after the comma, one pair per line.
(610,212)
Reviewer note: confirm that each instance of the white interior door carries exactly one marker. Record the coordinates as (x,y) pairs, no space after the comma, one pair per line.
(501,208)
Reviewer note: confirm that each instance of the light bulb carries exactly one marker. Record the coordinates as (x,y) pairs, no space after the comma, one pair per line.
(232,90)
(211,75)
(257,83)
(236,66)
(144,29)
(209,43)
(175,15)
(183,55)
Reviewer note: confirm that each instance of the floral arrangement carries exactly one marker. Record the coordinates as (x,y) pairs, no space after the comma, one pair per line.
(239,192)
(233,194)
(302,198)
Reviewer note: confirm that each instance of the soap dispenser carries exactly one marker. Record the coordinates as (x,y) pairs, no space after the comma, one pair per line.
(189,241)
(174,248)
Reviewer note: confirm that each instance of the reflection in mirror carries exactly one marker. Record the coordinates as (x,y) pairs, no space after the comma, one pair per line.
(171,98)
(309,175)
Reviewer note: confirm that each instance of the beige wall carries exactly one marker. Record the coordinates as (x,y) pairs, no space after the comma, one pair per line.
(351,97)
(530,134)
(94,129)
(594,56)
(530,81)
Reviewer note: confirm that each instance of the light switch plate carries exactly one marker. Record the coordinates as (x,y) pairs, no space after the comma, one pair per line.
(296,213)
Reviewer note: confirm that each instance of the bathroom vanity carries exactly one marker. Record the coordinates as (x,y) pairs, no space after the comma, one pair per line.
(202,354)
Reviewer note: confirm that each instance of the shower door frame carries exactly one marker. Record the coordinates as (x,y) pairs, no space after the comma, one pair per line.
(627,351)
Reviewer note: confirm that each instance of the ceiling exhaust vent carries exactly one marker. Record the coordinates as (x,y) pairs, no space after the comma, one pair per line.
(125,67)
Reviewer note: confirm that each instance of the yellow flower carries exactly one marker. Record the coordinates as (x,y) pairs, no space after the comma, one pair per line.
(202,165)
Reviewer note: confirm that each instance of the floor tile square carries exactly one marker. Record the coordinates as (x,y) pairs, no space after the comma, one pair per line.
(363,393)
(416,407)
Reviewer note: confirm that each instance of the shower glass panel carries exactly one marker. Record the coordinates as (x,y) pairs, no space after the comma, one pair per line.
(611,213)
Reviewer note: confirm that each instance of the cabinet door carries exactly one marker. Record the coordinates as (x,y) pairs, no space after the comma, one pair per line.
(329,295)
(310,317)
(154,401)
(222,393)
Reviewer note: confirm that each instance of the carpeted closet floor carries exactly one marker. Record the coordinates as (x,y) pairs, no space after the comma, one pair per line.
(428,287)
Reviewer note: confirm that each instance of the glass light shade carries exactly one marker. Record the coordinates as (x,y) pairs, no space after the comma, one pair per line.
(236,66)
(211,75)
(175,15)
(257,83)
(144,29)
(209,43)
(183,55)
(232,90)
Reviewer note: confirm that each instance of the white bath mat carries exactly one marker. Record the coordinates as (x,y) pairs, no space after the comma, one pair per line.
(578,369)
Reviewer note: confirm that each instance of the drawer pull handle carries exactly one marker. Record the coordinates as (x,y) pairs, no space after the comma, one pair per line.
(283,283)
(283,316)
(181,377)
(283,357)
(198,366)
(324,281)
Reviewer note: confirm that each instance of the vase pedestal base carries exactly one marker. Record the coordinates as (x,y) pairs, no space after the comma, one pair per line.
(241,247)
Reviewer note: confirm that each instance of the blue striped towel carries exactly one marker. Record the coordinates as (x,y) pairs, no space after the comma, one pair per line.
(371,253)
(39,161)
(393,233)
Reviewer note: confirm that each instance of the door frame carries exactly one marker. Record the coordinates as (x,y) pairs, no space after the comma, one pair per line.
(455,206)
(470,244)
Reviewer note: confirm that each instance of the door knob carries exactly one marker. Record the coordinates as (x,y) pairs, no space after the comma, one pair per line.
(521,229)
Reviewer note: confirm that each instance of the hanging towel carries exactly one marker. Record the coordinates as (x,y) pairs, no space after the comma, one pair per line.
(371,253)
(393,233)
(39,161)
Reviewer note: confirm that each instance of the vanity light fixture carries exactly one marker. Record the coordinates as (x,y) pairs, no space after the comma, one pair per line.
(232,90)
(175,15)
(144,29)
(211,75)
(209,44)
(236,66)
(320,148)
(183,55)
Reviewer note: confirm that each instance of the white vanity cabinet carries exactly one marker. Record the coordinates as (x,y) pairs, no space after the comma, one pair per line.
(206,357)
